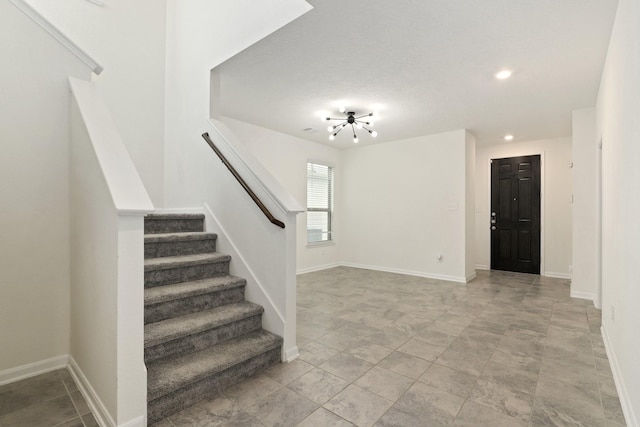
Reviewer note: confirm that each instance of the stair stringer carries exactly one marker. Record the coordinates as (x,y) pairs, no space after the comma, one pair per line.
(274,319)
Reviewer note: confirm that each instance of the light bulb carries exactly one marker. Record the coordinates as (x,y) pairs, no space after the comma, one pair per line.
(332,137)
(342,109)
(330,129)
(359,126)
(504,74)
(508,137)
(374,134)
(355,140)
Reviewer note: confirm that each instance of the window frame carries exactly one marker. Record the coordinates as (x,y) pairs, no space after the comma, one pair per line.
(328,210)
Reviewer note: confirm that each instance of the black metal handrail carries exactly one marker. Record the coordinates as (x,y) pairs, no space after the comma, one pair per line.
(242,182)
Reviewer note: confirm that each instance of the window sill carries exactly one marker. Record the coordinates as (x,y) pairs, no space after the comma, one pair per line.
(320,244)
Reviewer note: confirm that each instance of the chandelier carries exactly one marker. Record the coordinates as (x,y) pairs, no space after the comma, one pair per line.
(355,122)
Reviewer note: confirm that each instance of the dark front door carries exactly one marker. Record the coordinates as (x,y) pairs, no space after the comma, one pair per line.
(515,214)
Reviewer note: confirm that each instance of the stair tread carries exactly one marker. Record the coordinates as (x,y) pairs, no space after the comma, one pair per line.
(189,324)
(174,216)
(162,263)
(179,237)
(166,375)
(175,291)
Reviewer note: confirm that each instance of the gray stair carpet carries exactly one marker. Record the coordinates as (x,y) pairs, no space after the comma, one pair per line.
(201,336)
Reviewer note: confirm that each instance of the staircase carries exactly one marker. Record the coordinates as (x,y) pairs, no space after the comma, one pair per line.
(200,335)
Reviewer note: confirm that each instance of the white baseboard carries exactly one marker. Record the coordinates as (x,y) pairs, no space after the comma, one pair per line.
(583,295)
(98,409)
(318,268)
(482,267)
(291,354)
(388,270)
(457,279)
(623,392)
(32,369)
(555,275)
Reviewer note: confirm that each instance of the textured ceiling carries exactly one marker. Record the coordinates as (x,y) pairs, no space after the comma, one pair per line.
(426,66)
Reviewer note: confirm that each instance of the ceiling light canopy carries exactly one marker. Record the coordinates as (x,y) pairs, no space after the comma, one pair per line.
(504,74)
(352,120)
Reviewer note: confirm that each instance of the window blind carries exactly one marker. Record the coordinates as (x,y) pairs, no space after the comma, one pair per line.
(319,202)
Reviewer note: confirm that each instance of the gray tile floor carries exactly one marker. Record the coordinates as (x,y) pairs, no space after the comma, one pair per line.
(391,350)
(51,399)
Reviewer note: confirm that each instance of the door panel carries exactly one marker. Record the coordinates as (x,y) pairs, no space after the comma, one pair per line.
(505,200)
(505,243)
(524,246)
(515,207)
(524,199)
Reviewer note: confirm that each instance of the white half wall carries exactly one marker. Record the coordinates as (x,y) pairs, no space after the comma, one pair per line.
(128,38)
(618,124)
(404,205)
(34,193)
(201,34)
(556,188)
(107,206)
(286,158)
(584,283)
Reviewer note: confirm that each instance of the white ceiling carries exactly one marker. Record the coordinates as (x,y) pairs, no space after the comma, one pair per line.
(426,66)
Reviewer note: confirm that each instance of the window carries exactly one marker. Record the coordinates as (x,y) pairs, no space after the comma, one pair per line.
(319,202)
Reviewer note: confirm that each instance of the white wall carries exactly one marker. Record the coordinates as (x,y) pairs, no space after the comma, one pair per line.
(584,283)
(403,204)
(222,28)
(470,205)
(34,207)
(556,204)
(286,158)
(128,38)
(618,124)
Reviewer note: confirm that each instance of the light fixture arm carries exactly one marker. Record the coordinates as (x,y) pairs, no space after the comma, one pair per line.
(352,120)
(341,127)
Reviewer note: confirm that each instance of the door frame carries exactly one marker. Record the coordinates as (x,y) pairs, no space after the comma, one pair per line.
(542,201)
(598,297)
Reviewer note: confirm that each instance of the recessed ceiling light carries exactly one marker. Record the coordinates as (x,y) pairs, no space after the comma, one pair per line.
(504,74)
(508,137)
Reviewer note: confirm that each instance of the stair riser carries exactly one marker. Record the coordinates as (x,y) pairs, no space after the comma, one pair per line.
(158,226)
(175,308)
(184,274)
(203,339)
(171,403)
(190,247)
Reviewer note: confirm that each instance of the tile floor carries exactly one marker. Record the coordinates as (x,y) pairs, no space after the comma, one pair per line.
(391,350)
(51,399)
(385,349)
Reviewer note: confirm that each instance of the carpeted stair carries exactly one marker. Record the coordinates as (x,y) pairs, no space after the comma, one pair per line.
(201,336)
